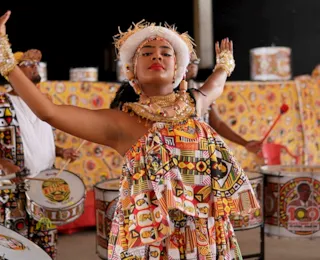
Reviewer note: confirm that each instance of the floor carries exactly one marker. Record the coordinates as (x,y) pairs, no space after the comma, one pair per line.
(81,246)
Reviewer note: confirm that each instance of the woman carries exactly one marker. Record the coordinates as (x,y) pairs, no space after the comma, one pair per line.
(179,182)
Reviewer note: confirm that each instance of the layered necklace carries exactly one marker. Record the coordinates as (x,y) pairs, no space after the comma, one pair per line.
(172,108)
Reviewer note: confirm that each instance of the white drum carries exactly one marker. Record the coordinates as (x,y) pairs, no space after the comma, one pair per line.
(42,69)
(84,74)
(14,246)
(56,199)
(106,198)
(292,201)
(270,63)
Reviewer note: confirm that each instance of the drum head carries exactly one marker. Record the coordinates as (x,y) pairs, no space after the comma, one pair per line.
(291,170)
(111,185)
(15,246)
(269,50)
(56,194)
(253,175)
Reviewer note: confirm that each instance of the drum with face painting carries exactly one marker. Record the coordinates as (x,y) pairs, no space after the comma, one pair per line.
(292,201)
(60,199)
(15,246)
(106,198)
(253,219)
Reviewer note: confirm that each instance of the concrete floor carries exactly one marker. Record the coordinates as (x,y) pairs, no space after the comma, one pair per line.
(82,246)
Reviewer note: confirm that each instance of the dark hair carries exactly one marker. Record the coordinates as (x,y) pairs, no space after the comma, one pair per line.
(126,94)
(299,188)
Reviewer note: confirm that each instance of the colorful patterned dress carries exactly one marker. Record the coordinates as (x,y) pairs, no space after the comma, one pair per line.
(179,185)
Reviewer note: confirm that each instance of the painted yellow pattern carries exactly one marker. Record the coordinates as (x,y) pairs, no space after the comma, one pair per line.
(250,108)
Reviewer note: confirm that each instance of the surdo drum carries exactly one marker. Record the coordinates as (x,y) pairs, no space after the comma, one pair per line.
(106,198)
(292,201)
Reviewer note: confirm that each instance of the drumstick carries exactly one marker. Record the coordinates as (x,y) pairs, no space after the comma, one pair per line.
(283,109)
(39,179)
(57,98)
(66,164)
(21,175)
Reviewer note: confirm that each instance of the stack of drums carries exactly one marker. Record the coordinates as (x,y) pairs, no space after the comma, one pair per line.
(292,201)
(106,198)
(253,219)
(84,74)
(270,63)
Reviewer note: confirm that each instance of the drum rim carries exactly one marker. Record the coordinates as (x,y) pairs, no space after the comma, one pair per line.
(280,173)
(62,171)
(255,178)
(96,187)
(84,69)
(271,48)
(61,208)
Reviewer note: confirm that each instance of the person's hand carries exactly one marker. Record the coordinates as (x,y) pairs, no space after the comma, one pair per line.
(70,153)
(8,167)
(224,56)
(254,146)
(3,20)
(226,45)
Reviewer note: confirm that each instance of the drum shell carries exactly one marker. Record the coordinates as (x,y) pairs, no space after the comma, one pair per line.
(84,74)
(106,199)
(270,63)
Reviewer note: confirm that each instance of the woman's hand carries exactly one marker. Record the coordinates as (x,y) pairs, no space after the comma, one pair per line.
(3,20)
(226,45)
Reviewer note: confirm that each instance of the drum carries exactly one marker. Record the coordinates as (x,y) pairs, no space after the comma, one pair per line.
(292,201)
(270,63)
(254,219)
(55,198)
(84,74)
(15,246)
(42,69)
(106,198)
(120,73)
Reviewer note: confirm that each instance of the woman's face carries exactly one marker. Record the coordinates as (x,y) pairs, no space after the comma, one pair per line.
(155,63)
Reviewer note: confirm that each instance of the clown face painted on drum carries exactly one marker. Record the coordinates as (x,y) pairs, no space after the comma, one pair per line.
(155,62)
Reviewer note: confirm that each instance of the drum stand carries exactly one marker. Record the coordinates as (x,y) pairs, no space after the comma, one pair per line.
(259,255)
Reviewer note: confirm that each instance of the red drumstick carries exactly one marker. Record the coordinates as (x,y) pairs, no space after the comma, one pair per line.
(283,109)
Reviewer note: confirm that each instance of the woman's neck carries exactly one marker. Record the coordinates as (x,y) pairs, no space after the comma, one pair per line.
(157,90)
